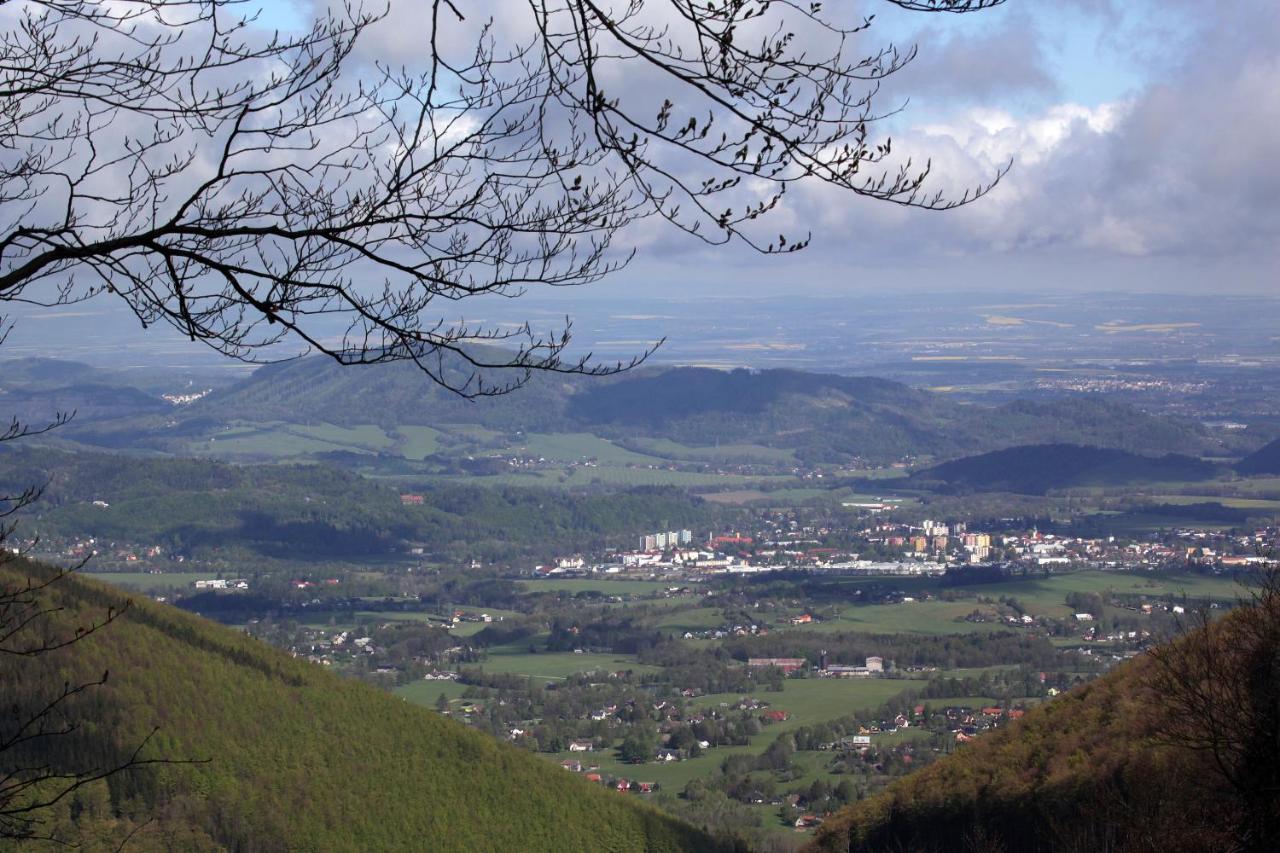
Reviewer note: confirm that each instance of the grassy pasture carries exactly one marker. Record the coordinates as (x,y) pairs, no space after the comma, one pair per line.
(423,692)
(283,440)
(720,453)
(558,665)
(575,446)
(812,700)
(607,586)
(777,497)
(417,442)
(363,437)
(260,442)
(917,617)
(585,476)
(1049,595)
(1258,486)
(148,582)
(467,629)
(392,616)
(1261,504)
(691,619)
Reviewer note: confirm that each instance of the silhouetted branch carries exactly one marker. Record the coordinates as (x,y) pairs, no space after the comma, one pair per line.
(254,191)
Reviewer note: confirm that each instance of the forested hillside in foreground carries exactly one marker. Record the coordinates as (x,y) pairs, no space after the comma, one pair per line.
(286,755)
(1178,750)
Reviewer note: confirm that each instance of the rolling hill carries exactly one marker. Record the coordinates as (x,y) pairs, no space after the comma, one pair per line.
(812,418)
(1265,460)
(285,756)
(1037,469)
(822,418)
(216,510)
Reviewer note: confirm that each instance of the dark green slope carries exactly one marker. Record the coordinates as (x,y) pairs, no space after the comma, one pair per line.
(317,389)
(209,508)
(1035,469)
(1265,460)
(293,757)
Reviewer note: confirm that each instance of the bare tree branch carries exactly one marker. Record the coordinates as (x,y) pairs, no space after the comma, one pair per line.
(260,192)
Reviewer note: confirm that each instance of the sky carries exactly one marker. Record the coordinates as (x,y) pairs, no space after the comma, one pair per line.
(1141,137)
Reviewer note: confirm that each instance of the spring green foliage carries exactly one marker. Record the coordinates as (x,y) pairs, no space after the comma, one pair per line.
(196,507)
(289,757)
(1176,750)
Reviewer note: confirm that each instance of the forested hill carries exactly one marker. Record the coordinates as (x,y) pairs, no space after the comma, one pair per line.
(1036,469)
(825,418)
(1263,461)
(288,756)
(317,389)
(208,509)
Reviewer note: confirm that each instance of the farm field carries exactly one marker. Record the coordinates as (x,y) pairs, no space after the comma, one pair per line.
(691,619)
(417,442)
(720,453)
(812,700)
(1257,486)
(148,582)
(577,446)
(577,476)
(261,441)
(915,617)
(363,437)
(606,586)
(1262,504)
(393,616)
(559,665)
(285,440)
(423,692)
(1050,593)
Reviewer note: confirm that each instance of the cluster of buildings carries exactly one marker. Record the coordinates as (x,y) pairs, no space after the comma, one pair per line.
(221,583)
(874,666)
(591,772)
(933,539)
(882,547)
(666,539)
(187,398)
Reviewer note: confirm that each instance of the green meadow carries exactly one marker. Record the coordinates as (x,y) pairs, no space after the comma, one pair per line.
(606,586)
(559,665)
(148,582)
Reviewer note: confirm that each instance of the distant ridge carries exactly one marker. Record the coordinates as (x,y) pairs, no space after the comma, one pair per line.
(816,418)
(823,417)
(1037,469)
